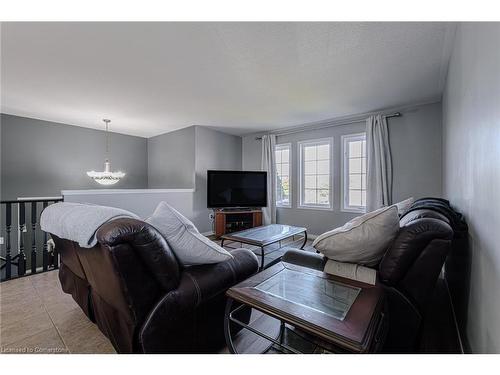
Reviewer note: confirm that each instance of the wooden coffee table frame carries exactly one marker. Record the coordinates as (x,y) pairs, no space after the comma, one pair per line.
(363,330)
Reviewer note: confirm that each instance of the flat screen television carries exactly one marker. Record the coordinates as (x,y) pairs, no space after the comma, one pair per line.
(236,189)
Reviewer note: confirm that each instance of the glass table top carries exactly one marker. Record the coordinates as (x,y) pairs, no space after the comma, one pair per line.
(326,296)
(267,233)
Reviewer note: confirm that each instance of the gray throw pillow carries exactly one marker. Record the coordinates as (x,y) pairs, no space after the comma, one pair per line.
(363,240)
(188,244)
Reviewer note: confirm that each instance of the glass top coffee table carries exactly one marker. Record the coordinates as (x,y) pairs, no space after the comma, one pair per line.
(264,236)
(328,312)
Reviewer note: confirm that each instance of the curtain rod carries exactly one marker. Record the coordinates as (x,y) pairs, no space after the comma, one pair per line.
(395,114)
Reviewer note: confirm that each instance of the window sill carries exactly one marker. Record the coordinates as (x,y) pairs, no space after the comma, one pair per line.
(353,210)
(283,206)
(319,208)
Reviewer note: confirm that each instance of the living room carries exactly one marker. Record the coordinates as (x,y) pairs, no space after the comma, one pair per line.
(249,187)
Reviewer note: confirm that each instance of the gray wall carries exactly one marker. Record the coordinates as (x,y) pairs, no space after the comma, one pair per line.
(214,150)
(416,152)
(471,158)
(41,158)
(171,160)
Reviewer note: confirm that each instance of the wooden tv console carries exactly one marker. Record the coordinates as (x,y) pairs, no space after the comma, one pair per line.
(234,220)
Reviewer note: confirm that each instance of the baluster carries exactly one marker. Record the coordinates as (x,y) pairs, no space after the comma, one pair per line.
(33,238)
(45,253)
(8,259)
(56,255)
(21,260)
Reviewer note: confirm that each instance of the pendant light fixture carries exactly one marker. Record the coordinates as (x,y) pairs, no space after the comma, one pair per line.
(106,177)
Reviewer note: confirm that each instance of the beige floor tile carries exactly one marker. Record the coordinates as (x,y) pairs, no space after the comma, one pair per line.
(16,287)
(20,310)
(22,329)
(14,301)
(66,319)
(44,342)
(81,335)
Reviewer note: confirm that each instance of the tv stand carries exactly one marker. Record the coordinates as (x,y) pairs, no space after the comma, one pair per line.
(228,220)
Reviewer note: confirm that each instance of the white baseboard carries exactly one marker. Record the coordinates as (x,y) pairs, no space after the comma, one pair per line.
(209,233)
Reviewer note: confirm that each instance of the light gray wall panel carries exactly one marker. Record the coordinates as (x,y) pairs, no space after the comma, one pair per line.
(171,160)
(214,150)
(416,152)
(471,145)
(41,158)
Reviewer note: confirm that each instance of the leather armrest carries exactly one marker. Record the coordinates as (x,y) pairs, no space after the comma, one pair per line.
(305,259)
(198,285)
(148,244)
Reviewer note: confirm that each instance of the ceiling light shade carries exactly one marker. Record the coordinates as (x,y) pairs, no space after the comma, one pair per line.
(107,177)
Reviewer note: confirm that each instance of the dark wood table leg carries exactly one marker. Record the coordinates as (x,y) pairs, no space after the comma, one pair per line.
(305,241)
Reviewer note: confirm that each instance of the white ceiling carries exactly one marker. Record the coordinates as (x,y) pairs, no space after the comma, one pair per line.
(151,78)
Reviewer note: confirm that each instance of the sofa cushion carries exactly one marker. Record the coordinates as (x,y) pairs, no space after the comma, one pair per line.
(363,240)
(404,206)
(188,244)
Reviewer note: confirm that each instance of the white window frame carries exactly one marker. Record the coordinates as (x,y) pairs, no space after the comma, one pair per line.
(345,139)
(288,146)
(300,199)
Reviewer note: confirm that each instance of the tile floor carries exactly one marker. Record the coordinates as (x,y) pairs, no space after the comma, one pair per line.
(36,316)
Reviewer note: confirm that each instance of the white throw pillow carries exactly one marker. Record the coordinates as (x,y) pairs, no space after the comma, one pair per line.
(403,206)
(188,244)
(363,240)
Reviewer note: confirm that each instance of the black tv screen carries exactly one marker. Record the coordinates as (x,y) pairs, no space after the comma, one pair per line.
(236,189)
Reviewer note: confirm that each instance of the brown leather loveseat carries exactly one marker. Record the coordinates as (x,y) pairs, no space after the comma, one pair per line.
(408,271)
(132,286)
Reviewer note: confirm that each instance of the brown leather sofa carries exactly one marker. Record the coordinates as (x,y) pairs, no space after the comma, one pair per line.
(131,285)
(408,272)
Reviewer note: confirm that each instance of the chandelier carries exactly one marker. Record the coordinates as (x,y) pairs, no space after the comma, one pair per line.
(106,177)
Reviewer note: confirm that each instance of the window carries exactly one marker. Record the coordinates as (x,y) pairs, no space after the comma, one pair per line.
(354,176)
(283,190)
(315,173)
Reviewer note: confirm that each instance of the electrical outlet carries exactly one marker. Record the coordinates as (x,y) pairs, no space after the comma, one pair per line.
(1,241)
(211,216)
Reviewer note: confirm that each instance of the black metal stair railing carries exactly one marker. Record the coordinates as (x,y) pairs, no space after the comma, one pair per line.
(16,259)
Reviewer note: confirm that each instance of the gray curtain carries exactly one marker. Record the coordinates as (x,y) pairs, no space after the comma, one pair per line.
(378,164)
(268,165)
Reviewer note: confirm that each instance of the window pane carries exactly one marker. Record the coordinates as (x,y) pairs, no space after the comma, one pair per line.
(323,182)
(278,156)
(310,153)
(310,167)
(354,197)
(323,167)
(355,149)
(323,196)
(310,196)
(285,169)
(354,181)
(282,154)
(310,182)
(323,152)
(278,169)
(316,174)
(355,165)
(355,171)
(285,155)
